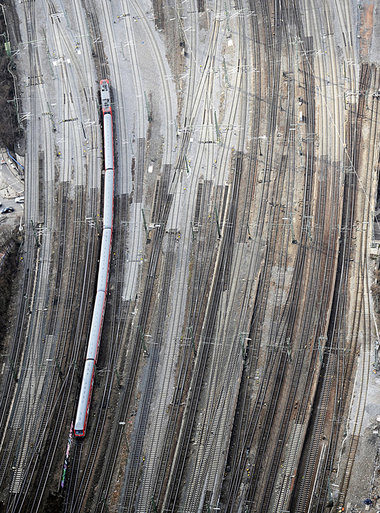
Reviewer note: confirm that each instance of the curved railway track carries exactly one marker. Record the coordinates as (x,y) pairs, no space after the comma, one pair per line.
(33,273)
(125,400)
(321,267)
(54,389)
(173,453)
(205,152)
(362,321)
(67,323)
(225,361)
(316,449)
(239,469)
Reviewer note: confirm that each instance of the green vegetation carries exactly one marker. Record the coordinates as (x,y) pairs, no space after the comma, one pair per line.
(8,270)
(10,131)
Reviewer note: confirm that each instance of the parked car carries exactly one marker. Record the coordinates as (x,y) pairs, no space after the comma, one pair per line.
(20,199)
(7,210)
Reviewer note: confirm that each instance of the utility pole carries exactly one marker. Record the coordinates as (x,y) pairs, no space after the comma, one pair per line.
(320,347)
(154,505)
(118,377)
(308,231)
(290,218)
(289,349)
(35,234)
(58,367)
(188,169)
(142,338)
(225,73)
(217,223)
(144,221)
(14,373)
(217,128)
(191,334)
(148,108)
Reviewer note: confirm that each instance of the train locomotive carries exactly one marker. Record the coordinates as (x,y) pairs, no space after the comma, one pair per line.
(104,264)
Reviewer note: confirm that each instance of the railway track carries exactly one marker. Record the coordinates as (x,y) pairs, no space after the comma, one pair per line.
(344,364)
(77,489)
(25,485)
(136,459)
(10,379)
(177,399)
(59,388)
(203,350)
(226,369)
(163,73)
(307,321)
(119,315)
(146,464)
(286,334)
(31,252)
(126,397)
(99,55)
(333,364)
(215,264)
(67,323)
(34,252)
(52,389)
(239,468)
(361,321)
(255,151)
(313,322)
(137,347)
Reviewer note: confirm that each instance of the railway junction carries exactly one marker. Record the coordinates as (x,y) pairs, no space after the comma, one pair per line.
(238,368)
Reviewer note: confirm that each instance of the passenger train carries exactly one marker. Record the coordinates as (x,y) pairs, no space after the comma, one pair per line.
(104,264)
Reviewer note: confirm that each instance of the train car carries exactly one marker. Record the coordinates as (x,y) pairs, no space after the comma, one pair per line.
(108,141)
(108,199)
(84,399)
(96,326)
(104,261)
(103,271)
(105,96)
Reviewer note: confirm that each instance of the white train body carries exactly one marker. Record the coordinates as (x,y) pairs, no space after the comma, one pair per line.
(84,398)
(108,199)
(108,146)
(104,264)
(104,261)
(96,326)
(105,96)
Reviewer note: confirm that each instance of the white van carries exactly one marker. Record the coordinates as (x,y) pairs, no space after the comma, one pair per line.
(20,199)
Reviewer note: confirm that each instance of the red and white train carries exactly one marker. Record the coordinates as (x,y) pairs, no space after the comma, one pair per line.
(104,265)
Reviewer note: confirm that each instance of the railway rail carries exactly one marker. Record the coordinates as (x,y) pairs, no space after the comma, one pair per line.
(239,469)
(334,365)
(54,388)
(271,207)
